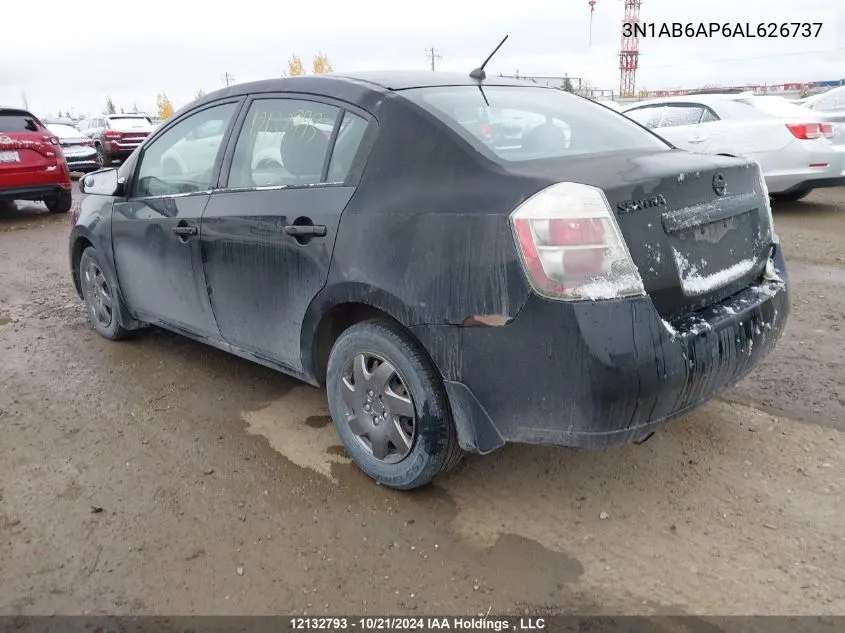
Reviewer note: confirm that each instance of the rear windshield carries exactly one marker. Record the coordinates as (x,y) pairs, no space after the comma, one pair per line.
(64,131)
(776,106)
(830,100)
(129,124)
(517,123)
(17,122)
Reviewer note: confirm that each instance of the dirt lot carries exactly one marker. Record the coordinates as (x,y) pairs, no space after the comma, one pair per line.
(161,476)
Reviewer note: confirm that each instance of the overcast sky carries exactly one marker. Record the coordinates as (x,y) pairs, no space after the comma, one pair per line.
(133,50)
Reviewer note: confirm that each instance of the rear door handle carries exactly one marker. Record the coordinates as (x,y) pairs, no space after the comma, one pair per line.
(185,230)
(297,230)
(697,139)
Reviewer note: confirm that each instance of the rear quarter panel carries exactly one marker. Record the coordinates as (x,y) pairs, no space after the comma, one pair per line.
(426,236)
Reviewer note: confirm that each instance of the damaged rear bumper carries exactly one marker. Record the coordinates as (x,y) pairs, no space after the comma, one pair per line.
(599,374)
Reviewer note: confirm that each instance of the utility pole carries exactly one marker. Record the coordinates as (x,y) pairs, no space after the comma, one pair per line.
(227,79)
(433,55)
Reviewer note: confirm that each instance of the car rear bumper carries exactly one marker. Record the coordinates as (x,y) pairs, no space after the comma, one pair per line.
(594,375)
(82,164)
(32,192)
(816,183)
(801,177)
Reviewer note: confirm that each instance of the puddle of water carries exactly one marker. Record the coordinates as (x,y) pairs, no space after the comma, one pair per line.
(318,421)
(297,426)
(5,320)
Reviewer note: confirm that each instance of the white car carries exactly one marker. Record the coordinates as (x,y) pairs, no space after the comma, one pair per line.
(78,149)
(797,149)
(830,103)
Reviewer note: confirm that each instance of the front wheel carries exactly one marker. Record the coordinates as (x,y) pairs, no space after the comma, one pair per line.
(60,203)
(101,299)
(389,406)
(793,196)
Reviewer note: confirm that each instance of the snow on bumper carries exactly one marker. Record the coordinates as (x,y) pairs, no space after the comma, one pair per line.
(593,375)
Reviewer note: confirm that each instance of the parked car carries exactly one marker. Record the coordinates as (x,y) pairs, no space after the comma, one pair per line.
(452,296)
(798,150)
(77,148)
(116,136)
(32,166)
(831,102)
(58,120)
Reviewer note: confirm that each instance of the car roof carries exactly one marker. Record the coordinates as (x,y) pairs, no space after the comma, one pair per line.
(15,109)
(405,79)
(699,98)
(375,80)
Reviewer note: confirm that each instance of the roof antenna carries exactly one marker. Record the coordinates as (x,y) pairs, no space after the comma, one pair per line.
(479,73)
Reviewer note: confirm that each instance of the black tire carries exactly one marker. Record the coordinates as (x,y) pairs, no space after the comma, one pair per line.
(103,158)
(60,203)
(110,327)
(434,448)
(793,196)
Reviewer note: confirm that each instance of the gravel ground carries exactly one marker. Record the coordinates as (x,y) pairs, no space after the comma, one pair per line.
(159,476)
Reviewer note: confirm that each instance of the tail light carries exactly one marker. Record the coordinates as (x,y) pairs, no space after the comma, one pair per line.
(571,246)
(111,134)
(486,130)
(805,131)
(827,130)
(87,142)
(54,140)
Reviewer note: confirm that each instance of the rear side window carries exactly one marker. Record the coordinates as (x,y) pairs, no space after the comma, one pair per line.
(516,123)
(283,142)
(648,116)
(13,121)
(349,137)
(677,115)
(130,124)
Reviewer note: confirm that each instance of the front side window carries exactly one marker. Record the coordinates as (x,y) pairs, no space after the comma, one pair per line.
(283,142)
(519,123)
(182,159)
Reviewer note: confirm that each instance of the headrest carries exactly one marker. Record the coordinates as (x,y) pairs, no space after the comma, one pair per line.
(303,150)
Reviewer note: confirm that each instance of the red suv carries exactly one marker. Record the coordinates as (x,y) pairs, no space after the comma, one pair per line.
(32,166)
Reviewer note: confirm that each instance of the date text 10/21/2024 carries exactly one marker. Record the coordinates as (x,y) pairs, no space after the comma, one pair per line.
(431,623)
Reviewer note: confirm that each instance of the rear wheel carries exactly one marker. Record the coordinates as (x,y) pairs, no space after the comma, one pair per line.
(103,158)
(101,300)
(60,203)
(389,406)
(793,196)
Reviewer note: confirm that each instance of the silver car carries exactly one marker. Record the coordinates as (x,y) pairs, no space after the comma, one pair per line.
(79,150)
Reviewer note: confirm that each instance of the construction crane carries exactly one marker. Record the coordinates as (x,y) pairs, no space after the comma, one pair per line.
(629,50)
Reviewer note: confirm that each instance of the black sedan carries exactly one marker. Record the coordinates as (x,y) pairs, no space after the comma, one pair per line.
(578,287)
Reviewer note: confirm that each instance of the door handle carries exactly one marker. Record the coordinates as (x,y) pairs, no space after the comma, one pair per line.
(697,139)
(298,230)
(184,231)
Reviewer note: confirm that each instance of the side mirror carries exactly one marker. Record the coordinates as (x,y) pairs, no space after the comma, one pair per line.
(103,182)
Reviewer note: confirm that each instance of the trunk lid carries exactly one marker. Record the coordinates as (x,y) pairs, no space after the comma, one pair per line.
(25,151)
(692,245)
(24,144)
